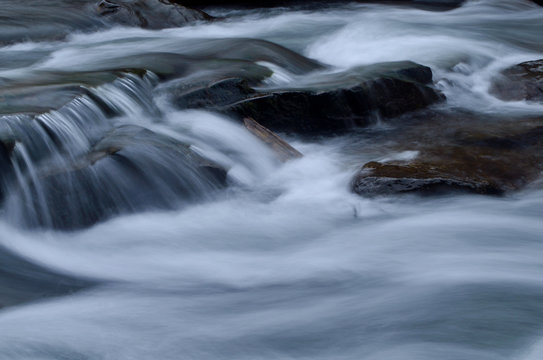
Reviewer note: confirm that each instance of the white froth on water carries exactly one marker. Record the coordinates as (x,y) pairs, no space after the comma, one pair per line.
(287,263)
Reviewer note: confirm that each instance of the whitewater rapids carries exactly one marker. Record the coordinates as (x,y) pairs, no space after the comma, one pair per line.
(288,263)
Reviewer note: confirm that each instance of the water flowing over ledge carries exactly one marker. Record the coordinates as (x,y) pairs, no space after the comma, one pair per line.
(141,219)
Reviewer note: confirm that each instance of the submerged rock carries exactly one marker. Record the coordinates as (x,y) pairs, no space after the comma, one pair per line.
(51,90)
(149,14)
(520,82)
(23,281)
(214,95)
(130,169)
(201,62)
(50,20)
(37,99)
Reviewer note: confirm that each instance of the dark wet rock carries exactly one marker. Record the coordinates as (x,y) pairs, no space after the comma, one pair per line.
(214,95)
(129,136)
(538,2)
(23,281)
(282,149)
(490,157)
(330,103)
(334,103)
(130,169)
(149,14)
(7,144)
(520,82)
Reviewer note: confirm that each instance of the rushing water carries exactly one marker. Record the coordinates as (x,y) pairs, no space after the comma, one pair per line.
(285,262)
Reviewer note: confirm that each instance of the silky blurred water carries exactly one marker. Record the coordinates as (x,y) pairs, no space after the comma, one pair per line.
(286,263)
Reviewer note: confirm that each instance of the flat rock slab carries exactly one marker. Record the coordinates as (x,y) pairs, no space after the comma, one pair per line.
(489,158)
(424,178)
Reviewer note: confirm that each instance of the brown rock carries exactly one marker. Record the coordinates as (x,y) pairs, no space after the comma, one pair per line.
(488,158)
(520,82)
(427,178)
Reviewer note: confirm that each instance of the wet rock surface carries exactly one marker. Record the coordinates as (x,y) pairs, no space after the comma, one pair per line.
(343,101)
(331,103)
(139,168)
(520,82)
(491,157)
(214,95)
(425,178)
(149,14)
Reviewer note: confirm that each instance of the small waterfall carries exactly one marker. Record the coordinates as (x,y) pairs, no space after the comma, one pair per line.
(134,228)
(96,157)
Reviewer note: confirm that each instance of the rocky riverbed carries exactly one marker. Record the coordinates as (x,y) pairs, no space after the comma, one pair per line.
(284,179)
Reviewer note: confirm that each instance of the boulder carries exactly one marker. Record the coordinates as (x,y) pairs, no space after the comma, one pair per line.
(426,178)
(329,103)
(481,159)
(149,14)
(336,102)
(520,82)
(214,95)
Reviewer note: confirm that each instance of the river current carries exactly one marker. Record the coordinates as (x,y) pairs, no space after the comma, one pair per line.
(285,263)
